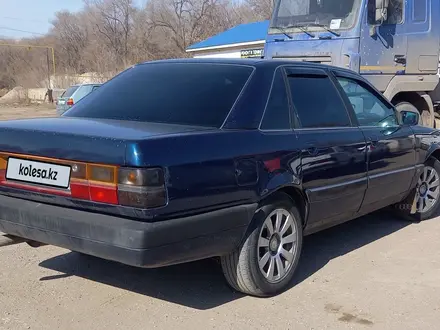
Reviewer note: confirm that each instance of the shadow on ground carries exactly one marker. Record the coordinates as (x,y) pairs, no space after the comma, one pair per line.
(201,285)
(320,248)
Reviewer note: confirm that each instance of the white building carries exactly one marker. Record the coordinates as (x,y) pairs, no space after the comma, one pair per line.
(241,41)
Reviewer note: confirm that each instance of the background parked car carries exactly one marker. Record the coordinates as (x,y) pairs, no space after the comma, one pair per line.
(72,95)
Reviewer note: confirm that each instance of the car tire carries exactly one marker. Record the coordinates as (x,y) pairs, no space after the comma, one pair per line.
(279,248)
(427,194)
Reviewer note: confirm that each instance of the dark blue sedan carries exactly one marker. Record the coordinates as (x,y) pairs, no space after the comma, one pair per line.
(174,161)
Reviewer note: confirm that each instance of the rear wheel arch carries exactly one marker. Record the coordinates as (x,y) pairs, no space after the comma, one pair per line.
(294,194)
(242,266)
(299,198)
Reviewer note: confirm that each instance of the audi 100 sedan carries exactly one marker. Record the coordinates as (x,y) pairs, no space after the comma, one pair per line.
(181,160)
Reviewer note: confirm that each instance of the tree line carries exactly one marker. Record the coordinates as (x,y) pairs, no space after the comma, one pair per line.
(110,35)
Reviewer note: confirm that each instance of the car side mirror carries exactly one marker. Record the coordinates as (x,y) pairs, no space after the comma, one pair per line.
(409,118)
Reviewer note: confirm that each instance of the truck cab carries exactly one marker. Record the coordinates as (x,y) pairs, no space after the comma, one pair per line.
(392,43)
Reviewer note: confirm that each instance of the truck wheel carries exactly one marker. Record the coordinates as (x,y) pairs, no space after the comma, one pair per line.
(265,262)
(426,194)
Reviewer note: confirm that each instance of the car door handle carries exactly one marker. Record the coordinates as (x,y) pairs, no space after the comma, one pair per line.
(374,140)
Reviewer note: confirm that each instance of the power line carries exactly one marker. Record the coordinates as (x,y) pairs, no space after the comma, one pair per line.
(22,19)
(17,30)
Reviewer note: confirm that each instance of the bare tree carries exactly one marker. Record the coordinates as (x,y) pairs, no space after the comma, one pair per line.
(185,21)
(109,35)
(114,23)
(71,38)
(145,43)
(262,9)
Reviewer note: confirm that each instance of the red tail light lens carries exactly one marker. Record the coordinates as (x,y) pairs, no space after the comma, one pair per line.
(70,102)
(142,188)
(94,182)
(103,194)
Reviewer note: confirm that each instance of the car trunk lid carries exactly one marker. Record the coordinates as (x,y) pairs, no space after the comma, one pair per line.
(80,139)
(58,160)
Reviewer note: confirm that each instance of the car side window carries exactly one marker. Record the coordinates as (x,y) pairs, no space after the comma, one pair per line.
(277,114)
(317,102)
(370,110)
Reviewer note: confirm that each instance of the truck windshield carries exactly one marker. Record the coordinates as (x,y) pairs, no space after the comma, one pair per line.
(333,14)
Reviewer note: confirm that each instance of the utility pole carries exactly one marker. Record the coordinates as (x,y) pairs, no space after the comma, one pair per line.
(48,68)
(38,46)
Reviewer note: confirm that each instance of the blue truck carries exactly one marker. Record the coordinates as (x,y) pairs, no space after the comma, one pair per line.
(392,43)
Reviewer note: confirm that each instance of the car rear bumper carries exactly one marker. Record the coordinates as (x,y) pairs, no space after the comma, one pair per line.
(142,244)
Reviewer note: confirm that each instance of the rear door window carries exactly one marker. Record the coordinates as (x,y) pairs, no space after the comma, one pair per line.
(317,101)
(198,94)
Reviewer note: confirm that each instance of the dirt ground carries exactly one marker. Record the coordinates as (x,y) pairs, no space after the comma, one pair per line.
(26,111)
(377,272)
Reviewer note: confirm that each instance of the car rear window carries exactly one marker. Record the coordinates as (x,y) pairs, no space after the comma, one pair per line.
(69,92)
(198,94)
(83,91)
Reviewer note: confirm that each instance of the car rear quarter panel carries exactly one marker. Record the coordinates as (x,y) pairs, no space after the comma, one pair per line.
(213,170)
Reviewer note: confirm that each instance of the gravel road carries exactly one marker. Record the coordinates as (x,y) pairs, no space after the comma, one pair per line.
(377,272)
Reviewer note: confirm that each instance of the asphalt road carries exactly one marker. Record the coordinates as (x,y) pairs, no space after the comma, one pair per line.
(377,272)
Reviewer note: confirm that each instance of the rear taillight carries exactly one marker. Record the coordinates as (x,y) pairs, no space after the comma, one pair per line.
(3,165)
(140,188)
(134,187)
(70,102)
(143,188)
(94,182)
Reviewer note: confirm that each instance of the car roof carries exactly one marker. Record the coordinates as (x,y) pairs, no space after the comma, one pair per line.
(257,62)
(87,84)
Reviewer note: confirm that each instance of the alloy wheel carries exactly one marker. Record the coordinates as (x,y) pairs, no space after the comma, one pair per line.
(428,189)
(277,245)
